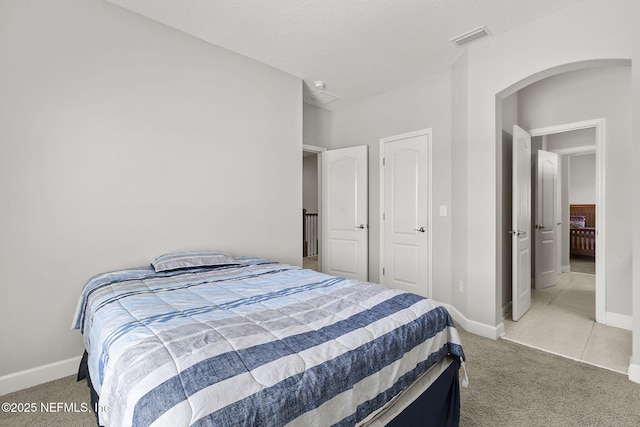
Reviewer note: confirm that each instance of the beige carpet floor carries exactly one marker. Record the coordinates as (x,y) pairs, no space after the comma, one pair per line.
(49,400)
(514,385)
(509,385)
(310,262)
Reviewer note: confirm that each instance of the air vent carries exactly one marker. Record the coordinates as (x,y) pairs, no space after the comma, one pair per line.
(321,98)
(470,36)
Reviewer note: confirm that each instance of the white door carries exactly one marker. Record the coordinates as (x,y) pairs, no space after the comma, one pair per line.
(546,222)
(344,213)
(405,217)
(521,227)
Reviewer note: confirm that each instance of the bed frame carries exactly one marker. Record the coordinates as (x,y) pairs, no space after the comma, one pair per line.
(583,239)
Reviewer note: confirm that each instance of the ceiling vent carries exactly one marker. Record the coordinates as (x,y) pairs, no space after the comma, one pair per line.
(470,36)
(321,98)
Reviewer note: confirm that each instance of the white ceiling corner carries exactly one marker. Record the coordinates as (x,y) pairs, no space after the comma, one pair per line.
(359,48)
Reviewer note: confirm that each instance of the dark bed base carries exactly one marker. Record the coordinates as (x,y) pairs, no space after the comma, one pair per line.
(83,372)
(438,406)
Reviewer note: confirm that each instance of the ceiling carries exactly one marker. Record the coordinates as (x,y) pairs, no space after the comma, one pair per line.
(359,48)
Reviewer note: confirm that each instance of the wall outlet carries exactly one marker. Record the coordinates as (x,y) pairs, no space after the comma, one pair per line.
(461,286)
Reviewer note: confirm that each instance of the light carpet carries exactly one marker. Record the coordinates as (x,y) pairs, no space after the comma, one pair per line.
(509,385)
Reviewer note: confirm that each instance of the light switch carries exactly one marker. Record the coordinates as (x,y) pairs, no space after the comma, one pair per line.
(443,210)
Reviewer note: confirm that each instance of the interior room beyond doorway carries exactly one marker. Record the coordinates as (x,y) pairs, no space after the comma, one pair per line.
(310,224)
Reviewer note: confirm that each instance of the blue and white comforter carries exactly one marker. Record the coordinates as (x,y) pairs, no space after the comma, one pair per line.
(259,343)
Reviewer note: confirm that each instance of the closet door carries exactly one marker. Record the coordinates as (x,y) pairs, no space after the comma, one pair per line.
(406,228)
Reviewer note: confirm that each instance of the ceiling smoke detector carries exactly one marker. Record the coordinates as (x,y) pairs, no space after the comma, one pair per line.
(321,97)
(469,36)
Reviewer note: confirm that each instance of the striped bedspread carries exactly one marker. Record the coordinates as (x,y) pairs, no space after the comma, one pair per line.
(256,344)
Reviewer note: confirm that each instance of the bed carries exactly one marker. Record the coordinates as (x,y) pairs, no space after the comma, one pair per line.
(248,341)
(582,223)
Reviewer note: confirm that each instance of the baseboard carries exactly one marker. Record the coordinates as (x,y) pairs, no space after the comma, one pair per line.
(618,320)
(38,375)
(477,328)
(634,372)
(565,269)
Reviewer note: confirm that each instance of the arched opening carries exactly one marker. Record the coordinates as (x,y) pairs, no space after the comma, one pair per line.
(540,102)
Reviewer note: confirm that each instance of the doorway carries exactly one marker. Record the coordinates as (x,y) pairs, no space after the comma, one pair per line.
(564,140)
(564,319)
(344,212)
(335,185)
(559,140)
(574,213)
(582,212)
(310,207)
(565,97)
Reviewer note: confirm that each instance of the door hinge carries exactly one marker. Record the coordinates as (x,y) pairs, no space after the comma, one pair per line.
(383,217)
(383,161)
(383,271)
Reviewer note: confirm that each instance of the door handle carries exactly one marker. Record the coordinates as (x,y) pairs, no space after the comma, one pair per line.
(540,227)
(421,229)
(517,233)
(361,226)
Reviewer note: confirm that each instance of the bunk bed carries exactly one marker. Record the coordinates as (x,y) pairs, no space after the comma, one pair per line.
(583,229)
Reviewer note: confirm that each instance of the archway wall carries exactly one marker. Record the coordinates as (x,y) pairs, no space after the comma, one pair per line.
(587,34)
(587,94)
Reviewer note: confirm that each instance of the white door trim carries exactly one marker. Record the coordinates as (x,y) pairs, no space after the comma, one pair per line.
(599,126)
(428,132)
(585,149)
(313,148)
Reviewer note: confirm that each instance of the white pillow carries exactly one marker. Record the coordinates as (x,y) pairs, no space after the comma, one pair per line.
(191,259)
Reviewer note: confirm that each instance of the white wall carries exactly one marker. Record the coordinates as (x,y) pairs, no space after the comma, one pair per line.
(581,137)
(459,175)
(582,184)
(316,126)
(582,95)
(500,65)
(504,151)
(419,105)
(122,139)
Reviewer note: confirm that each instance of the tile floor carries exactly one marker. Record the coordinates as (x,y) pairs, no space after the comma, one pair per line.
(562,321)
(583,264)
